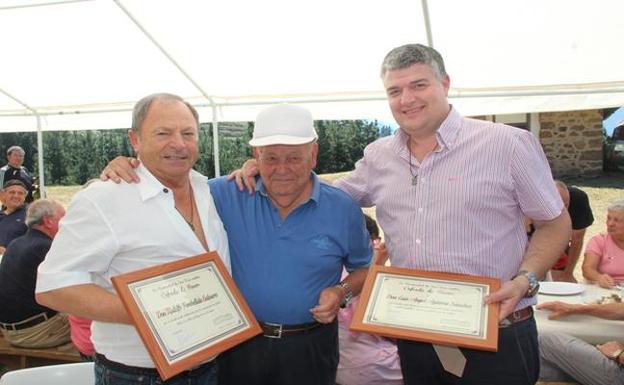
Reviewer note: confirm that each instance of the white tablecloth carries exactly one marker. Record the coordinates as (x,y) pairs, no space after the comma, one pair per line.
(591,329)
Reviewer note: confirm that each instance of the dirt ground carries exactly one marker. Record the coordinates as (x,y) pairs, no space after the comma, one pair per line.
(602,191)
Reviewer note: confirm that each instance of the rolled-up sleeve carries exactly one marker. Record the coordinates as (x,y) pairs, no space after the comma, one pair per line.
(83,247)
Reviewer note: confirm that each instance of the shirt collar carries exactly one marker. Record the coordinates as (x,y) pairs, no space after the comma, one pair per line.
(314,195)
(150,186)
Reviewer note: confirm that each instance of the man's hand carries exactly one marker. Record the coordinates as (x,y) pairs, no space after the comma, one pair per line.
(245,177)
(380,255)
(558,309)
(606,281)
(508,296)
(329,304)
(609,348)
(121,168)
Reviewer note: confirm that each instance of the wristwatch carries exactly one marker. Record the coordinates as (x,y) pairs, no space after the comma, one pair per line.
(348,293)
(533,282)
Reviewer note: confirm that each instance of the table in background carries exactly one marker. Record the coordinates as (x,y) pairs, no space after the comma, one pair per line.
(588,328)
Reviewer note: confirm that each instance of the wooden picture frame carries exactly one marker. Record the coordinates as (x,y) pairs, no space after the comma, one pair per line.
(441,308)
(186,311)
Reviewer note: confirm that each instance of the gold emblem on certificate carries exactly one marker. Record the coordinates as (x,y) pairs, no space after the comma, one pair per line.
(186,311)
(441,308)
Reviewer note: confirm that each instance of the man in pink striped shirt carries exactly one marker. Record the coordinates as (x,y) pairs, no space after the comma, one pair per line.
(451,194)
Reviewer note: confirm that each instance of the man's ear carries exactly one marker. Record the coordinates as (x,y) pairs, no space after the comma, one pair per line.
(255,151)
(314,154)
(135,141)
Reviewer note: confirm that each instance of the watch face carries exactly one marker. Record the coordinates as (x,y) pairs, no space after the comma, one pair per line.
(533,289)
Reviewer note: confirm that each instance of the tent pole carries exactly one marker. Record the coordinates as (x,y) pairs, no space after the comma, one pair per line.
(39,139)
(427,21)
(42,190)
(215,130)
(215,141)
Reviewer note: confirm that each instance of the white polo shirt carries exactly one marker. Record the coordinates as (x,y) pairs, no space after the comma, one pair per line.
(112,229)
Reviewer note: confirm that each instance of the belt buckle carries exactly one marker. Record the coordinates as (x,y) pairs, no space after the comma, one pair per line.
(277,331)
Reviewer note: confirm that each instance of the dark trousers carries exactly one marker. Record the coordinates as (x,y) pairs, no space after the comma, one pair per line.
(515,363)
(301,359)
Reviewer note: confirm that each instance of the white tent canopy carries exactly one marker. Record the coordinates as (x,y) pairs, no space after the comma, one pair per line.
(82,64)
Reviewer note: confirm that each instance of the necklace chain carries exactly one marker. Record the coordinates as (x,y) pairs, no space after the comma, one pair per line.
(190,223)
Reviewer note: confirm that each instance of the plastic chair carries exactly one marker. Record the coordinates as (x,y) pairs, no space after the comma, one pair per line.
(65,374)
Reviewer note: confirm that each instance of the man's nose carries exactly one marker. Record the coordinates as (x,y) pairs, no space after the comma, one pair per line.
(177,140)
(407,96)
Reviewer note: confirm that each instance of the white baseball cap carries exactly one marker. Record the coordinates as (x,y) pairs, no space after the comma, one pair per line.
(283,124)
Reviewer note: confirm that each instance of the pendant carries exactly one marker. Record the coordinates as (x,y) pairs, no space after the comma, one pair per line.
(414,180)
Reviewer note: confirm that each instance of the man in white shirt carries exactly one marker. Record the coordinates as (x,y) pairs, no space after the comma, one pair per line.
(112,229)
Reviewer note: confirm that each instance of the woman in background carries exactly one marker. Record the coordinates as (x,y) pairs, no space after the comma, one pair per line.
(604,255)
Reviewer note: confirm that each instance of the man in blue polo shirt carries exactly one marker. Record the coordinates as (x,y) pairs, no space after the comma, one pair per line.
(289,241)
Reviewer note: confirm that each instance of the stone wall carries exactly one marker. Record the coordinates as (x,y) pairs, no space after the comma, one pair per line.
(572,142)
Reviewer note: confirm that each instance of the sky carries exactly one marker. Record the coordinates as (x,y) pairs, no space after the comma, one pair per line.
(613,120)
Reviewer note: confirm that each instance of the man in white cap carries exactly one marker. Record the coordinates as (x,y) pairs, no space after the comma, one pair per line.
(289,241)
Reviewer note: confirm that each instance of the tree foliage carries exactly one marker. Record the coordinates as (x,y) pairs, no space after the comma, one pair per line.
(74,157)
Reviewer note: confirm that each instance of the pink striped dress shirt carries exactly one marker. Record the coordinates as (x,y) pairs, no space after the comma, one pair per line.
(465,214)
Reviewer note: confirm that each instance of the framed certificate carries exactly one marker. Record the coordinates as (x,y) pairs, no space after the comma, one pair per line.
(186,311)
(442,308)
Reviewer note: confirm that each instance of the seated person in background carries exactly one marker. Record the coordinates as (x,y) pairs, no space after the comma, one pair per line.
(367,359)
(23,321)
(577,203)
(567,358)
(81,336)
(604,255)
(12,217)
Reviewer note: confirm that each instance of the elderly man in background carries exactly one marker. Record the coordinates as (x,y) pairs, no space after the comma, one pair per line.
(112,229)
(567,358)
(23,321)
(289,242)
(14,169)
(13,216)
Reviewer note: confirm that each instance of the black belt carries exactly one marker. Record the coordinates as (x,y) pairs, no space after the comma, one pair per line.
(272,330)
(29,322)
(119,367)
(517,316)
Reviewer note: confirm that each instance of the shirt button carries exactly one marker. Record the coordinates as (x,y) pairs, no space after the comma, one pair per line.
(165,190)
(420,209)
(418,241)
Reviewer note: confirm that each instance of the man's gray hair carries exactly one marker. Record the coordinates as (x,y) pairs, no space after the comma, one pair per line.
(409,54)
(39,209)
(15,148)
(616,206)
(142,106)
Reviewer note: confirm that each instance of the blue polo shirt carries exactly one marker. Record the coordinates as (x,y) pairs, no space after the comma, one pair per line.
(281,266)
